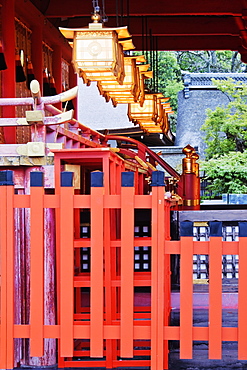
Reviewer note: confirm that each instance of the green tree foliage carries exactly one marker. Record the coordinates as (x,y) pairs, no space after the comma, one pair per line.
(171,65)
(211,61)
(170,81)
(225,127)
(228,174)
(169,76)
(226,138)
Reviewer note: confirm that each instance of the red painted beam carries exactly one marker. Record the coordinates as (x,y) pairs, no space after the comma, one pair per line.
(194,43)
(171,25)
(73,8)
(8,75)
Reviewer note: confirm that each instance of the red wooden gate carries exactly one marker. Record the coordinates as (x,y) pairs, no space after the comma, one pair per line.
(98,320)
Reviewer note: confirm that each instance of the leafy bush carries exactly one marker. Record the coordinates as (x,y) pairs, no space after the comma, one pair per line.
(227,172)
(226,138)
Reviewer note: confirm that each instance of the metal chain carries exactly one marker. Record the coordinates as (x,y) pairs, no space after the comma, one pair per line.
(96,6)
(104,16)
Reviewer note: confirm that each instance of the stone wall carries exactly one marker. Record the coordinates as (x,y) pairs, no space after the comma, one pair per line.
(197,96)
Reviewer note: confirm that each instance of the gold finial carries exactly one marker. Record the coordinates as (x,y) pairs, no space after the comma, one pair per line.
(189,162)
(96,17)
(188,150)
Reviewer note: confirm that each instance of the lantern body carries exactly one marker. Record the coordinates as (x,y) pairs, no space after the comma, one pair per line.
(98,52)
(129,91)
(133,88)
(144,113)
(150,128)
(159,107)
(97,55)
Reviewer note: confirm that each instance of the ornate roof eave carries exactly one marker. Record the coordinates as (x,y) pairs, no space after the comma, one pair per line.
(124,36)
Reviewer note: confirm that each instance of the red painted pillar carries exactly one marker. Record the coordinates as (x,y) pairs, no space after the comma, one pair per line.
(49,357)
(8,75)
(37,53)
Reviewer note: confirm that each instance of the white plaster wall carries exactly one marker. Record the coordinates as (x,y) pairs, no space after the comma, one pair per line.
(93,111)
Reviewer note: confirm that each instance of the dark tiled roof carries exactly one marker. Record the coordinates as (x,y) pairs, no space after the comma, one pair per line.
(204,80)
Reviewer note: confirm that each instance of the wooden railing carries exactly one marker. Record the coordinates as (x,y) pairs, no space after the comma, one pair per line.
(98,320)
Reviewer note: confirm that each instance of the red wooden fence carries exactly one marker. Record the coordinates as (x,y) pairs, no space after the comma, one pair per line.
(112,330)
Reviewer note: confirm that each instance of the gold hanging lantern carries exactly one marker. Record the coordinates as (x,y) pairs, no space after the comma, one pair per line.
(144,75)
(130,91)
(144,113)
(159,112)
(165,124)
(167,108)
(150,128)
(98,51)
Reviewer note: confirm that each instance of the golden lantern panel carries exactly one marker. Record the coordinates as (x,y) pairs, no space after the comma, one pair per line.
(149,128)
(98,51)
(144,75)
(131,82)
(141,76)
(122,100)
(145,112)
(168,110)
(166,105)
(121,95)
(165,123)
(158,109)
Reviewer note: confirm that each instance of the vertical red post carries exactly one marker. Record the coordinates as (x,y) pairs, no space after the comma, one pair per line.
(8,75)
(37,53)
(186,289)
(36,264)
(167,280)
(242,292)
(157,271)
(109,308)
(66,264)
(97,281)
(215,291)
(10,278)
(3,261)
(127,264)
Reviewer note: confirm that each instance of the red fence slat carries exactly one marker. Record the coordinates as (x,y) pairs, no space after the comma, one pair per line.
(96,303)
(66,271)
(161,275)
(127,271)
(36,271)
(215,298)
(157,279)
(3,241)
(10,277)
(242,301)
(186,297)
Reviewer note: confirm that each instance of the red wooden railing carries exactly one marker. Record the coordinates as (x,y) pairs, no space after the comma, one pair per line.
(107,327)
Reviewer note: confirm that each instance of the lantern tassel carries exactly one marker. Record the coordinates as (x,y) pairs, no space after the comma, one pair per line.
(30,74)
(3,64)
(46,85)
(53,90)
(20,75)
